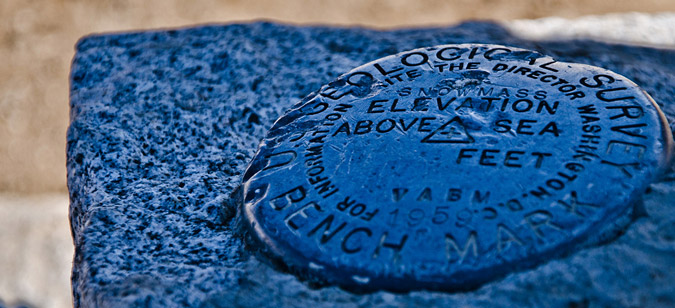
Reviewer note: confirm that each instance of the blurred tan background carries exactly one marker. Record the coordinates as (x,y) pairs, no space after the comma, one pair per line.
(36,47)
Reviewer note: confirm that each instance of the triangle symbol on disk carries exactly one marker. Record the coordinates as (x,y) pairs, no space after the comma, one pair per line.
(452,131)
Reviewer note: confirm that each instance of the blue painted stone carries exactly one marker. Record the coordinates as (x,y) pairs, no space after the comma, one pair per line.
(164,123)
(448,166)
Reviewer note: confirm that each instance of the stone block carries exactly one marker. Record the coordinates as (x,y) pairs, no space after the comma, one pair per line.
(163,124)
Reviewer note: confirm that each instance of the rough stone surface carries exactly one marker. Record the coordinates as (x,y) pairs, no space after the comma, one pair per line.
(164,123)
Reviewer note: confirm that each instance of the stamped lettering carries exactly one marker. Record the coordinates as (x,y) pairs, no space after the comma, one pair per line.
(445,167)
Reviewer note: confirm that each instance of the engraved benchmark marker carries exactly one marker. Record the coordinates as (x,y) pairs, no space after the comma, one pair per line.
(447,167)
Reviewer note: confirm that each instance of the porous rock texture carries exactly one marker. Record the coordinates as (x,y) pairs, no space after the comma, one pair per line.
(163,124)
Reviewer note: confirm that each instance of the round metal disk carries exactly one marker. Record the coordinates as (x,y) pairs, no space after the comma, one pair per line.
(446,167)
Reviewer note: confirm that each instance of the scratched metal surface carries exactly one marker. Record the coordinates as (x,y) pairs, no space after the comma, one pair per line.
(446,167)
